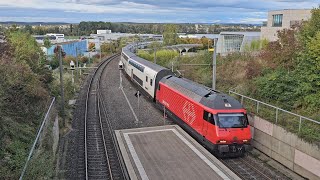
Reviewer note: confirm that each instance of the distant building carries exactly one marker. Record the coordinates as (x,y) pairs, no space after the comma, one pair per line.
(187,36)
(104,31)
(54,38)
(281,19)
(58,36)
(71,48)
(107,35)
(229,42)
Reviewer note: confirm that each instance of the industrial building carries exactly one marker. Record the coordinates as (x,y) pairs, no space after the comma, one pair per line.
(229,42)
(70,48)
(107,35)
(282,19)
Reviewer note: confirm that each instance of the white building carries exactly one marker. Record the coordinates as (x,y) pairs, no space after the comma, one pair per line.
(107,31)
(58,36)
(229,42)
(107,35)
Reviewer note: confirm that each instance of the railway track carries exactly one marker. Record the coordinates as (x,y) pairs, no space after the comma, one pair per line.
(248,168)
(101,156)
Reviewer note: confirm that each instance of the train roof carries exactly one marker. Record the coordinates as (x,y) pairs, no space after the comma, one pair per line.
(127,51)
(202,94)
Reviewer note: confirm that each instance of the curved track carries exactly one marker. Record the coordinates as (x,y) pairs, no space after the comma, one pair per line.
(101,157)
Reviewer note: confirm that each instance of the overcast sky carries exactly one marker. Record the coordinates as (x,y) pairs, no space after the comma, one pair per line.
(165,11)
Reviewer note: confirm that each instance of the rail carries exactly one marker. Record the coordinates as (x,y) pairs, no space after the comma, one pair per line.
(37,138)
(277,109)
(86,115)
(106,131)
(111,131)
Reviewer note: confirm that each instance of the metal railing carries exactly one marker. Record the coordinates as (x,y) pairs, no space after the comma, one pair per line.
(37,138)
(276,109)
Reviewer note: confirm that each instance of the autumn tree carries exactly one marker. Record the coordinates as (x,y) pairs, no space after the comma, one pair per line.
(47,44)
(170,36)
(284,51)
(24,95)
(92,47)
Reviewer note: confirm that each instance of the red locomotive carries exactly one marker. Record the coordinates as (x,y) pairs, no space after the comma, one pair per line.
(214,119)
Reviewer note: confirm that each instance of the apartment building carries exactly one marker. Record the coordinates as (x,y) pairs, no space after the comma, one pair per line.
(281,19)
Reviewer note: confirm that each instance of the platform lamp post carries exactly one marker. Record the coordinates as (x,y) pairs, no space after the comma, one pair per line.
(214,67)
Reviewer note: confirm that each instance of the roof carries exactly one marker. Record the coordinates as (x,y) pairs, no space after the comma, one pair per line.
(202,94)
(146,63)
(243,33)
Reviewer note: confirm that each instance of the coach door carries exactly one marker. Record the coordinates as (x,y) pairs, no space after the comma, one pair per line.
(206,119)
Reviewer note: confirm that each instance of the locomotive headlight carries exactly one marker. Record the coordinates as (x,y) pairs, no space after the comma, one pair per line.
(245,141)
(221,141)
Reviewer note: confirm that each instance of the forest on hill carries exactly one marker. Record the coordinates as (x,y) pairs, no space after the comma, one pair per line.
(85,28)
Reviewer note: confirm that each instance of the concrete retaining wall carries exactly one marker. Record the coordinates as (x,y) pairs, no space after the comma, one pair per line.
(285,147)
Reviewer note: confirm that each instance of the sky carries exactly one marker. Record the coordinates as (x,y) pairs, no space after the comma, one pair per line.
(147,11)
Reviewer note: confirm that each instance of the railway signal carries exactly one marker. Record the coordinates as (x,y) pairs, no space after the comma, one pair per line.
(72,68)
(138,94)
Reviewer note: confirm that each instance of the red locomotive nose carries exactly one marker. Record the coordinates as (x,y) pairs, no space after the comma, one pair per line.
(231,136)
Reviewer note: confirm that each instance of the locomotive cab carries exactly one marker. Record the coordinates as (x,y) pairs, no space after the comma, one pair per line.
(233,133)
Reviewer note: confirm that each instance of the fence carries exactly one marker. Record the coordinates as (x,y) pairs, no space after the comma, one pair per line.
(306,128)
(39,158)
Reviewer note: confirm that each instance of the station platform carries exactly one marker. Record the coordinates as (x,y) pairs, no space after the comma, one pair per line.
(168,152)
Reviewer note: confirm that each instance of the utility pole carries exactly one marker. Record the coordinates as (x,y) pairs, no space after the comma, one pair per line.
(172,66)
(155,55)
(214,70)
(110,46)
(77,62)
(100,54)
(61,86)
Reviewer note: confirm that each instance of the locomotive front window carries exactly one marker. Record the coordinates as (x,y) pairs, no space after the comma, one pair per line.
(232,120)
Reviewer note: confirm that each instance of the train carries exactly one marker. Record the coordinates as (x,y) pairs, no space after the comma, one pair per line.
(217,121)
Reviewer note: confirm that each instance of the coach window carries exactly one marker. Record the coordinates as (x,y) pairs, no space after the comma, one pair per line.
(150,82)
